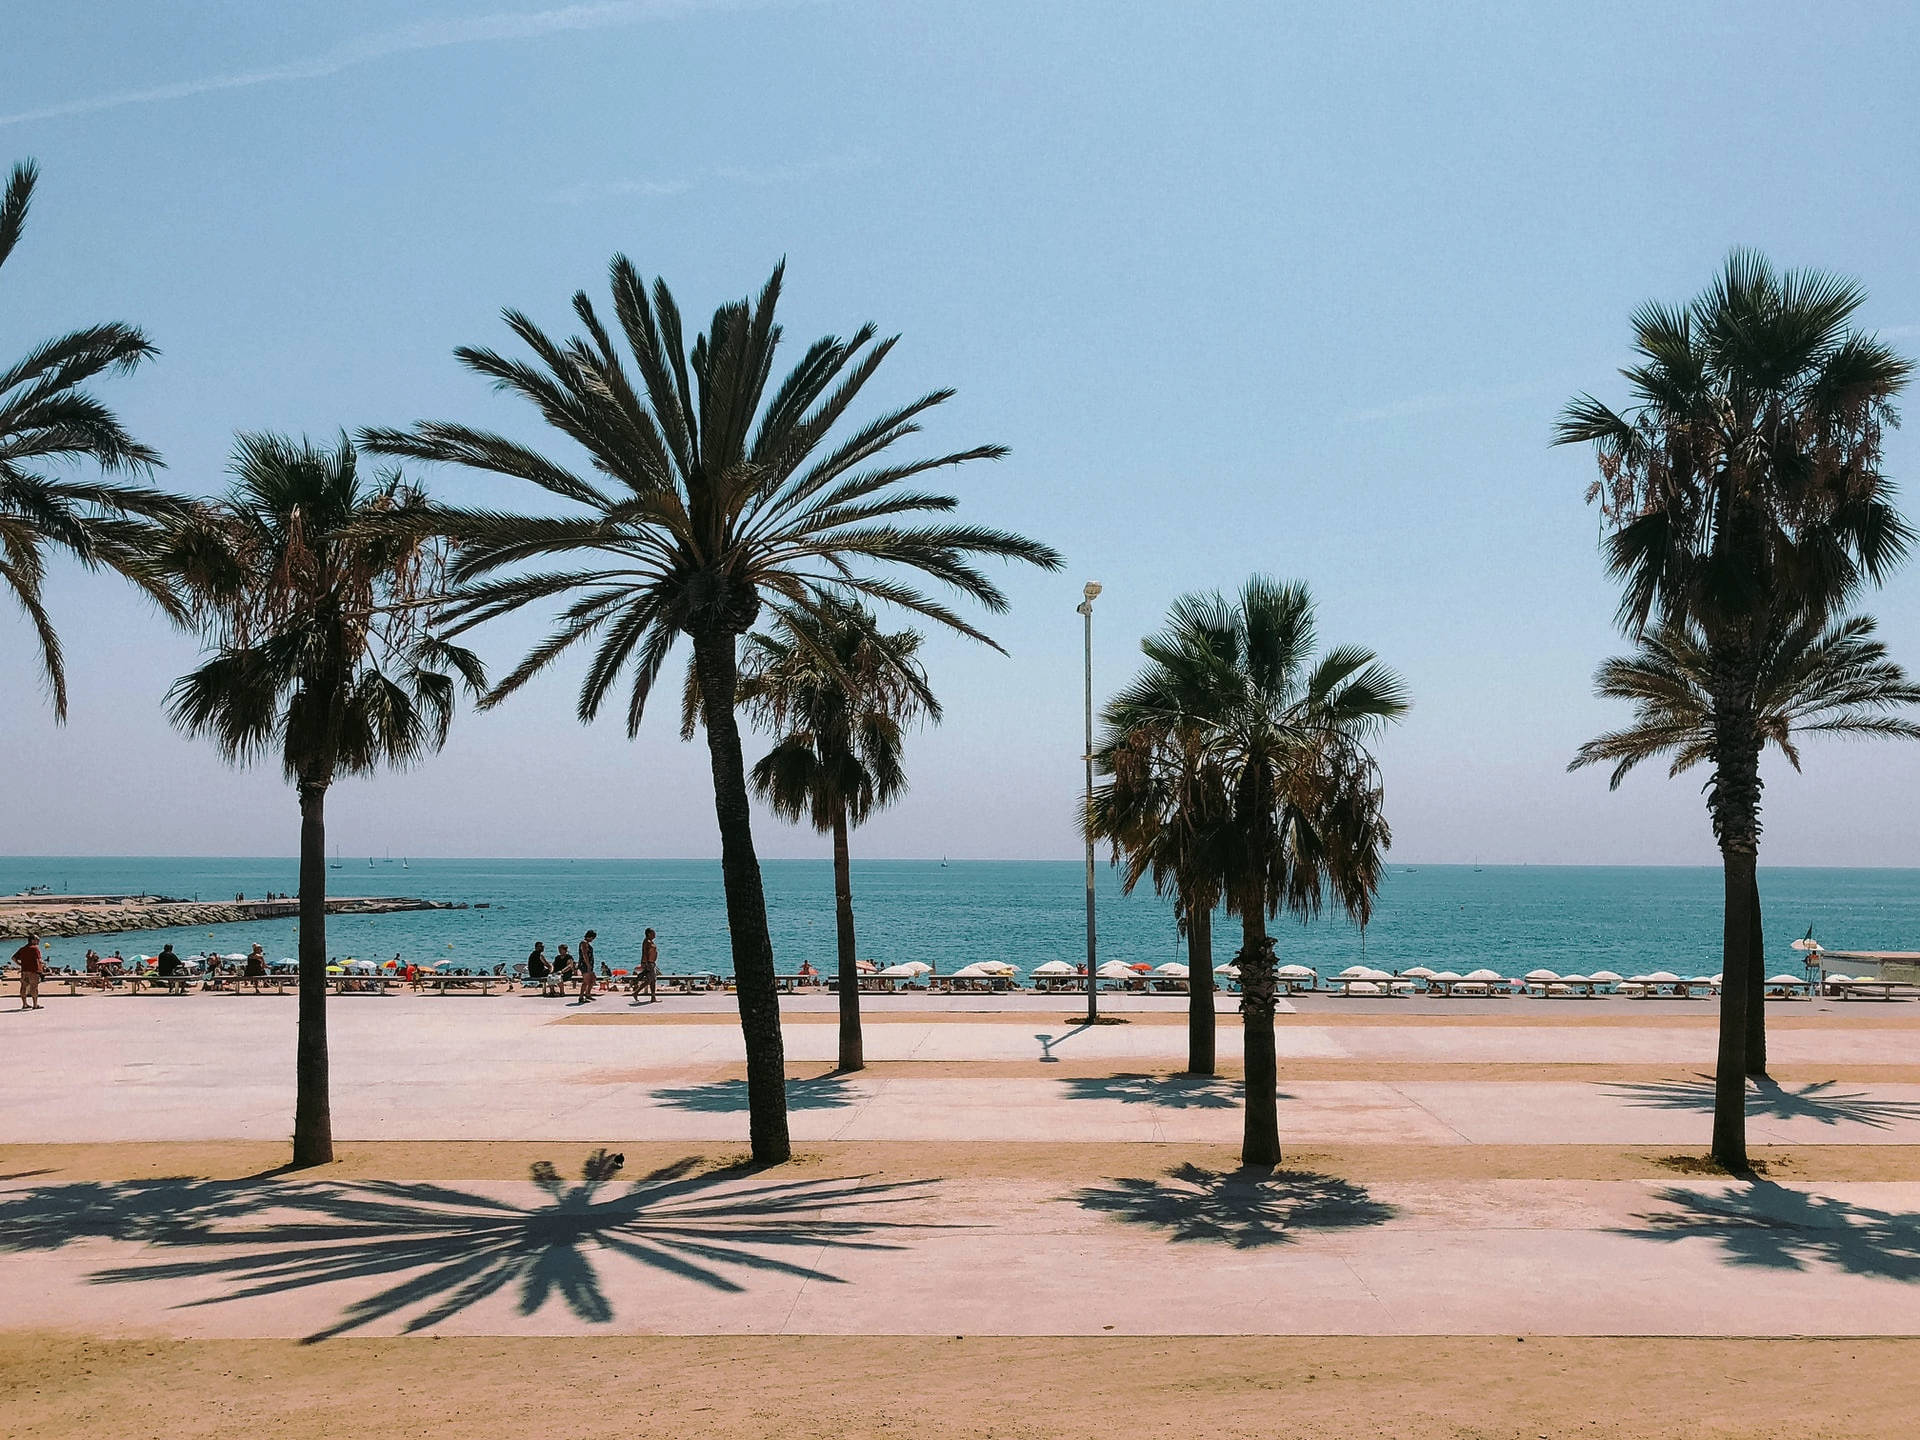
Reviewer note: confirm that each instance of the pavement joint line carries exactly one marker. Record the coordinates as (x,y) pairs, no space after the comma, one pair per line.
(1424,1110)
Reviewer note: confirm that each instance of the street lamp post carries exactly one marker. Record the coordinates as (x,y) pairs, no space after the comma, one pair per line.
(1085,607)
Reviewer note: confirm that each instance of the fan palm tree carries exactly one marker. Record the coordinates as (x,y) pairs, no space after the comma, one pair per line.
(49,419)
(316,597)
(837,693)
(1815,678)
(1164,811)
(702,494)
(1743,493)
(1288,737)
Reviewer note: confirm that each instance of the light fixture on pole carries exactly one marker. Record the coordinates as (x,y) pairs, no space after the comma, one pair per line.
(1090,592)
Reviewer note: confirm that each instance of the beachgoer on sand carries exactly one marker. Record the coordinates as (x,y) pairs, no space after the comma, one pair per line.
(256,967)
(586,966)
(172,969)
(32,961)
(539,968)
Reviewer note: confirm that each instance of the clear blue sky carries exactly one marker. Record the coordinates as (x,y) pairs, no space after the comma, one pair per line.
(1245,286)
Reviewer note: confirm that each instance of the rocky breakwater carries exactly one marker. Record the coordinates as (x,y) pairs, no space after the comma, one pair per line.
(55,915)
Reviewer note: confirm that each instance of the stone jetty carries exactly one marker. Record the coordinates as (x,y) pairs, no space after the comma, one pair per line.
(56,915)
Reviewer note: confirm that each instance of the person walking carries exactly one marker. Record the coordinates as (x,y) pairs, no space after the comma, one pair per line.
(32,961)
(585,963)
(649,971)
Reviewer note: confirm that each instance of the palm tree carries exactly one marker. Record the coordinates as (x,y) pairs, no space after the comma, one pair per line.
(1815,678)
(1288,737)
(316,596)
(837,693)
(702,495)
(47,419)
(1165,812)
(1744,495)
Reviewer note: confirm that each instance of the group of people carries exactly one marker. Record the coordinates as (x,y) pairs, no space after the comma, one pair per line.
(569,968)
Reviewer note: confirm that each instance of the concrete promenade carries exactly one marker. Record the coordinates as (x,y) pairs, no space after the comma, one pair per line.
(997,1170)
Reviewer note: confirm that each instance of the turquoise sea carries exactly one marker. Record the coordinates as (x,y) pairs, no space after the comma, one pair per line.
(1509,918)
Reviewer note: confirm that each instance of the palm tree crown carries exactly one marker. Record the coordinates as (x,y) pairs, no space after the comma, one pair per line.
(1746,475)
(705,492)
(837,693)
(1288,737)
(48,419)
(1815,679)
(312,584)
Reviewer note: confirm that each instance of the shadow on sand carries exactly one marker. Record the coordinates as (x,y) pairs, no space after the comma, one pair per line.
(1767,1099)
(434,1251)
(1774,1227)
(1247,1209)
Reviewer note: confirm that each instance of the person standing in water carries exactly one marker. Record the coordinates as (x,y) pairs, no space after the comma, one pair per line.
(585,961)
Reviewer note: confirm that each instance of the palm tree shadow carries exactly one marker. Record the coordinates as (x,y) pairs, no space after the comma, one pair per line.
(436,1251)
(821,1092)
(1174,1092)
(1247,1209)
(1768,1099)
(1764,1224)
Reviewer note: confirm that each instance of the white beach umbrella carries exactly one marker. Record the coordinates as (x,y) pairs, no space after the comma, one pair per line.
(1482,976)
(1661,977)
(1355,972)
(1447,977)
(1699,980)
(974,972)
(1604,977)
(1542,975)
(1292,972)
(996,967)
(1786,980)
(1374,977)
(1417,972)
(1230,970)
(1577,979)
(1116,970)
(1172,968)
(1719,979)
(235,956)
(1363,987)
(905,971)
(1053,967)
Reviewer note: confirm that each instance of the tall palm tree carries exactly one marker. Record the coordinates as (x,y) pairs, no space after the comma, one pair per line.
(316,596)
(1743,493)
(837,693)
(48,419)
(1288,736)
(701,495)
(1165,811)
(1815,678)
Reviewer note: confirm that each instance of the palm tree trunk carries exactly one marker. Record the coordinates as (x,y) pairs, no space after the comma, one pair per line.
(1260,1142)
(715,665)
(1200,1022)
(1756,990)
(312,1107)
(1734,798)
(852,1051)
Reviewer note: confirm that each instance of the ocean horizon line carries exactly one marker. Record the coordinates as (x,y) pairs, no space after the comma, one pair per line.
(349,859)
